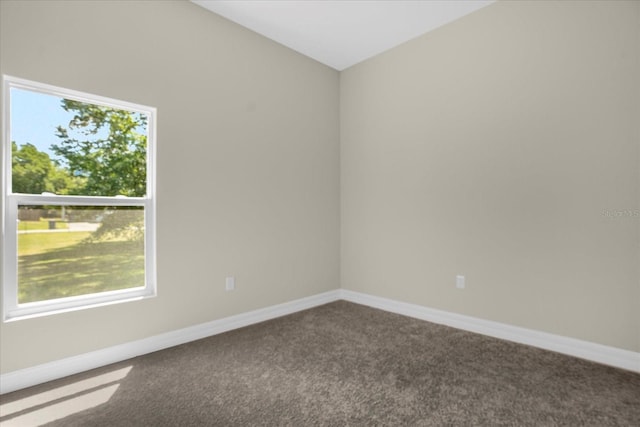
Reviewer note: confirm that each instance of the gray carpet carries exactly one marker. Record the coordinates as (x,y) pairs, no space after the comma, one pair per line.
(345,364)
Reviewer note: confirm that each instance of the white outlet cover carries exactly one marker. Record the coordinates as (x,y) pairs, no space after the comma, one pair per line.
(460,282)
(230,283)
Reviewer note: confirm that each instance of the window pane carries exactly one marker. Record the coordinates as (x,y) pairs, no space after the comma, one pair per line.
(67,251)
(69,147)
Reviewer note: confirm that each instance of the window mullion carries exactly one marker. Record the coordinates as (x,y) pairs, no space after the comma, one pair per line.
(55,200)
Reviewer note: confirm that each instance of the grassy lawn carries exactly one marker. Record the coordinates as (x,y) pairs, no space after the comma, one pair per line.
(43,224)
(39,243)
(57,265)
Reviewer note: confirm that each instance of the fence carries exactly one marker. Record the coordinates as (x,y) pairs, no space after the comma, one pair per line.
(36,214)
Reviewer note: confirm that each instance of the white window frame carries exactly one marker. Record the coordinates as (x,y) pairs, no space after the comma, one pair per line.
(12,310)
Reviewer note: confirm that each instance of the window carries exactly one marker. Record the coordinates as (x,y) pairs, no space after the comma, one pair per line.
(78,225)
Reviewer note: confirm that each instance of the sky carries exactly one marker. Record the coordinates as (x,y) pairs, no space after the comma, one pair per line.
(34,118)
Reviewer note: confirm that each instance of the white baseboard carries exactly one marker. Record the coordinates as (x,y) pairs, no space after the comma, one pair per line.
(28,377)
(612,356)
(606,355)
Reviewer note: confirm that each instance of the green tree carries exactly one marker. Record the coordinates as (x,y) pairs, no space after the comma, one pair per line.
(107,149)
(105,146)
(33,172)
(121,223)
(63,182)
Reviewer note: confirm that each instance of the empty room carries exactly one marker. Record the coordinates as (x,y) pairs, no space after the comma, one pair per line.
(237,213)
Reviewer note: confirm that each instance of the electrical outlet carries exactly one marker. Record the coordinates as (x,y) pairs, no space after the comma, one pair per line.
(460,282)
(230,283)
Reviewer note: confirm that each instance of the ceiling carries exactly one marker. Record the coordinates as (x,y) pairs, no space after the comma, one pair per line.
(341,33)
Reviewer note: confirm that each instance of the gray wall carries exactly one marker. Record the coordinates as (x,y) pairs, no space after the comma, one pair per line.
(247,133)
(500,147)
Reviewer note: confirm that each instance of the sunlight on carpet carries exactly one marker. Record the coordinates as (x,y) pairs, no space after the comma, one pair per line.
(61,402)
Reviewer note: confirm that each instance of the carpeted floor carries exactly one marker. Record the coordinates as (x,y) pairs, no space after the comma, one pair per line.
(336,365)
